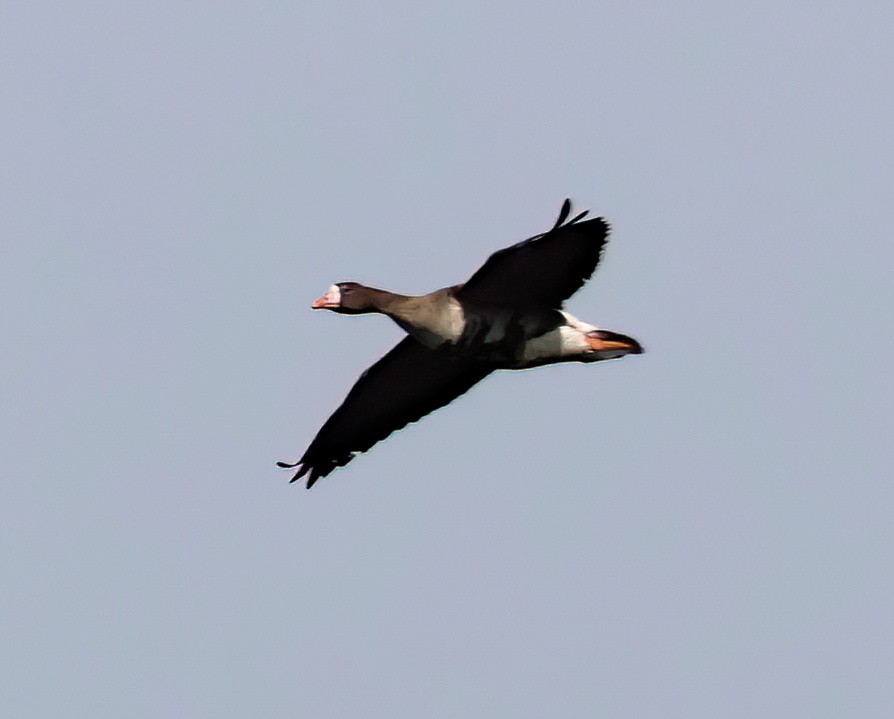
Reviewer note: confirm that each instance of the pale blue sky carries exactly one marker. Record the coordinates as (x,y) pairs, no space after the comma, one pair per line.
(704,531)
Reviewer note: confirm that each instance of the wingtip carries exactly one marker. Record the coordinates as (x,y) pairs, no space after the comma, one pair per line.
(563,213)
(303,469)
(300,473)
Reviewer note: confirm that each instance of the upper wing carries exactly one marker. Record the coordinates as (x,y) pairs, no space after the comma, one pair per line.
(402,387)
(546,269)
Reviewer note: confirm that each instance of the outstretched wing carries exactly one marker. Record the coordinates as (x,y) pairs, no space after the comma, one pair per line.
(545,270)
(402,387)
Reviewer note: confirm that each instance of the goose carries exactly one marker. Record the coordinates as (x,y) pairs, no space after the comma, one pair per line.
(508,316)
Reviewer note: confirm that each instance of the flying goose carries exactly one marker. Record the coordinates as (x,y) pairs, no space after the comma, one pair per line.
(508,315)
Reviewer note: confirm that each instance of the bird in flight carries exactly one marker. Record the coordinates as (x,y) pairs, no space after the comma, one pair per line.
(508,315)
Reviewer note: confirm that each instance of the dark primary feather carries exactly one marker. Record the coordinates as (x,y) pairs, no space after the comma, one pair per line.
(563,213)
(402,387)
(545,269)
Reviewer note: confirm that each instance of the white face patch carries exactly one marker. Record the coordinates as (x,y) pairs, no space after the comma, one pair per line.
(330,300)
(333,295)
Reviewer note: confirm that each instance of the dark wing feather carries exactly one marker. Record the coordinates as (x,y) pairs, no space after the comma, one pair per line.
(402,387)
(546,269)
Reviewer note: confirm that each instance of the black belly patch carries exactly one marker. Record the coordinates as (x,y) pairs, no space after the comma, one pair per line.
(500,333)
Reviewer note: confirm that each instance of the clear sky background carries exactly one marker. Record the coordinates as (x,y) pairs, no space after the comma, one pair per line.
(703,531)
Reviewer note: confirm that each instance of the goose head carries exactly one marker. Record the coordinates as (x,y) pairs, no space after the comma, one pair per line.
(349,298)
